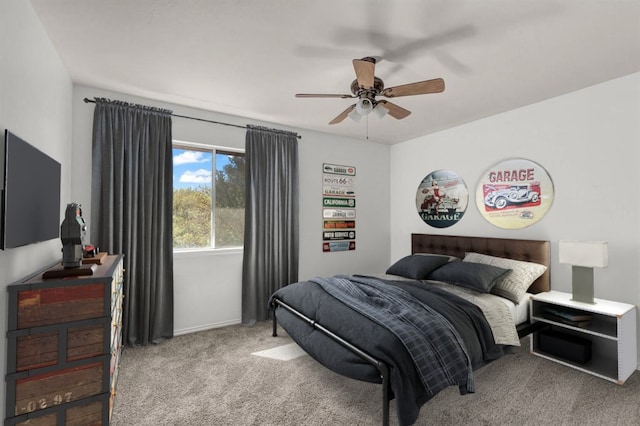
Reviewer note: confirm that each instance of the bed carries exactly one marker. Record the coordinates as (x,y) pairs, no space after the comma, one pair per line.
(460,295)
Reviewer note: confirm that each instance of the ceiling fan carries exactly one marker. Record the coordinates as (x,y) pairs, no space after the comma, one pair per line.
(366,87)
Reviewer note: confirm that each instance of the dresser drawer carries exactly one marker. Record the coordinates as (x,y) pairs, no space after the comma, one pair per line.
(56,305)
(65,344)
(53,388)
(89,412)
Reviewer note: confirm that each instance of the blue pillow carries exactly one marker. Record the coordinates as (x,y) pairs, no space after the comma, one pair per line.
(417,266)
(476,276)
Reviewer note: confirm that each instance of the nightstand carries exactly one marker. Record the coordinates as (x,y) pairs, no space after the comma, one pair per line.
(601,338)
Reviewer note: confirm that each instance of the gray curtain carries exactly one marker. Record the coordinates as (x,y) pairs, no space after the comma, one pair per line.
(131,211)
(271,219)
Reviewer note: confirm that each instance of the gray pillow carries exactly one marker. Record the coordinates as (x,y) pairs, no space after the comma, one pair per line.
(451,258)
(417,266)
(476,276)
(512,286)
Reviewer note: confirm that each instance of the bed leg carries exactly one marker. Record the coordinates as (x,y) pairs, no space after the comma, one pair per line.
(275,322)
(384,373)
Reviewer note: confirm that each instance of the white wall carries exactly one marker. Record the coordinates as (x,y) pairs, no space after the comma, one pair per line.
(208,284)
(35,104)
(589,143)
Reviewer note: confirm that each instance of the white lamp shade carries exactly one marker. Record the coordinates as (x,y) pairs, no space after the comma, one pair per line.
(590,254)
(380,110)
(355,115)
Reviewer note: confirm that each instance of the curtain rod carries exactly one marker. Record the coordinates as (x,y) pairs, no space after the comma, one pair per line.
(87,100)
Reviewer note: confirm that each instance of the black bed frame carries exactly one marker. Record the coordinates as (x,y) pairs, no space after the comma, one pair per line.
(380,365)
(529,250)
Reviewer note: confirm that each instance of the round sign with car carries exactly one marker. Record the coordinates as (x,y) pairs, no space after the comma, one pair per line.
(514,194)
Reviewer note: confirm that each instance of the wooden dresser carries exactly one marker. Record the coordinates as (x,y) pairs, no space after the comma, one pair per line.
(63,346)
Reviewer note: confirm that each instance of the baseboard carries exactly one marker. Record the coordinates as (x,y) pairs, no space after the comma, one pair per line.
(205,327)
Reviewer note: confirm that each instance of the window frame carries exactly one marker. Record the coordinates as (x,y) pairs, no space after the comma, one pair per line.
(213,149)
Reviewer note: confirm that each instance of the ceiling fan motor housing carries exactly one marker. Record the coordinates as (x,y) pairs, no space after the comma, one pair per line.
(378,87)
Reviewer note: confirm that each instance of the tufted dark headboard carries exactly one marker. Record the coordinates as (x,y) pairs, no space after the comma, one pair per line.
(528,250)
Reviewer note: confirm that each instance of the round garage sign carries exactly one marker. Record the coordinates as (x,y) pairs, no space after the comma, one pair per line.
(514,193)
(442,198)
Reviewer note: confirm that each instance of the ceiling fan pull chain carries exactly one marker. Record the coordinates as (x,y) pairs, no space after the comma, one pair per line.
(367,117)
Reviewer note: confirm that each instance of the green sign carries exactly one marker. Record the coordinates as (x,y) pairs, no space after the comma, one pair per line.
(338,202)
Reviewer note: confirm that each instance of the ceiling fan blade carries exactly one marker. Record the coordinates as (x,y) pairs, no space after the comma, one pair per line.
(420,88)
(395,111)
(365,69)
(342,115)
(322,95)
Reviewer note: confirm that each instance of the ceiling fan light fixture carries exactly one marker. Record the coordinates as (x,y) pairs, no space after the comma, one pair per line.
(354,115)
(364,106)
(380,110)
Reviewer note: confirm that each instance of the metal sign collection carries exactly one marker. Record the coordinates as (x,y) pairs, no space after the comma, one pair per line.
(511,194)
(338,208)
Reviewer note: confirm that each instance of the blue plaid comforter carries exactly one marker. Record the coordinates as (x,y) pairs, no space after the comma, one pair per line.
(435,346)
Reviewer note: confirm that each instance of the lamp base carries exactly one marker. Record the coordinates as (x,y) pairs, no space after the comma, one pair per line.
(582,284)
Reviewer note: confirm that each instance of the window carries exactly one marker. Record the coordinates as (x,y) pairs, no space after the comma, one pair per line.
(208,197)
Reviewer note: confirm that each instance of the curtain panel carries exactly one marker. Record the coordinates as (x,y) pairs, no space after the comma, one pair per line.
(271,219)
(131,211)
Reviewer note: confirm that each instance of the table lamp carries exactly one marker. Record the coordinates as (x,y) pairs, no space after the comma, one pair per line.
(583,256)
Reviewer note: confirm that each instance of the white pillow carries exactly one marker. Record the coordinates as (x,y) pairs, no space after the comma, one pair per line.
(513,285)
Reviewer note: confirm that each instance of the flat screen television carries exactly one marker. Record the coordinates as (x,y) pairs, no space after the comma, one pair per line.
(30,195)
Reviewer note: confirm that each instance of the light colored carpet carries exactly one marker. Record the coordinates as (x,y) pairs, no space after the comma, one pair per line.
(213,378)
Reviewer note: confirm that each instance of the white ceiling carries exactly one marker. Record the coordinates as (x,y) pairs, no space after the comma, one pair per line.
(250,57)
